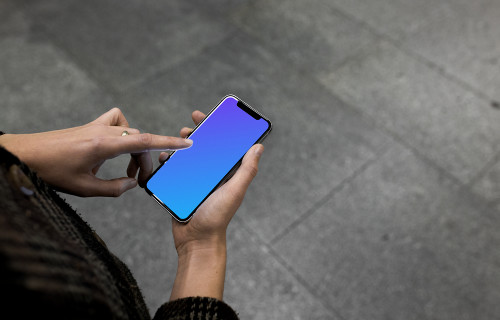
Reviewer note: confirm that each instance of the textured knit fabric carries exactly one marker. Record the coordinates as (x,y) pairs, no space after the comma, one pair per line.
(54,266)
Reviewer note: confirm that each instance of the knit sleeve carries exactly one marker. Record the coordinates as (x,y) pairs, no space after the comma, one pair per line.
(197,308)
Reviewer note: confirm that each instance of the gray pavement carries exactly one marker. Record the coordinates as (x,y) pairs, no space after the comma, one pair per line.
(378,195)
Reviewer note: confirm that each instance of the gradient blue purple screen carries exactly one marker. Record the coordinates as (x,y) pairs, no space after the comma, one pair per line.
(186,179)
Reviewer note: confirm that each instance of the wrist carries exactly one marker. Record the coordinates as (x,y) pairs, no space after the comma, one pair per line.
(202,256)
(214,244)
(200,271)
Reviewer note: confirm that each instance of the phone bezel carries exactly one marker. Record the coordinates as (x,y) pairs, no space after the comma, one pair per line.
(229,173)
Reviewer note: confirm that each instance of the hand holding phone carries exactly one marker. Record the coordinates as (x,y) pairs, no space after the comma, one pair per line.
(220,141)
(201,243)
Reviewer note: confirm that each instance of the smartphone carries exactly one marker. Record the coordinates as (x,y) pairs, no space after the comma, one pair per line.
(189,176)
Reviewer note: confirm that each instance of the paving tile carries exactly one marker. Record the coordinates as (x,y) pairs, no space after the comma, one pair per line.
(316,142)
(218,8)
(401,241)
(42,89)
(12,20)
(123,42)
(488,186)
(259,287)
(397,19)
(440,118)
(459,36)
(311,34)
(465,43)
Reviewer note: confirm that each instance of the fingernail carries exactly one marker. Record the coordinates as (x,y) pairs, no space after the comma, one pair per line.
(259,150)
(189,141)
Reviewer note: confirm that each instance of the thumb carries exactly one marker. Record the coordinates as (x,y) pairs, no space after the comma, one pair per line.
(109,188)
(248,169)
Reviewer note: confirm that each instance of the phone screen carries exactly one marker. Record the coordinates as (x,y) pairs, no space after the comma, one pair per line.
(189,176)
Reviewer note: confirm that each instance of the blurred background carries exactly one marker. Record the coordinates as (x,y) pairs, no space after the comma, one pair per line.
(378,195)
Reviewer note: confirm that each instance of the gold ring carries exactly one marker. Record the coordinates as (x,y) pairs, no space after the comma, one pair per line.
(125,133)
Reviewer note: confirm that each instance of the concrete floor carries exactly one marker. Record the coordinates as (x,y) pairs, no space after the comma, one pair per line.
(379,190)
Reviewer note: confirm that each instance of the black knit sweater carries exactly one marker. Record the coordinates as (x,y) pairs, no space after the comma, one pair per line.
(54,266)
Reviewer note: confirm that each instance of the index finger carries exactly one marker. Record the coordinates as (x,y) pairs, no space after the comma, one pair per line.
(144,142)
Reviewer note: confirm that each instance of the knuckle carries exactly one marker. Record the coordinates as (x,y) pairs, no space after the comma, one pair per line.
(116,191)
(146,139)
(132,130)
(116,110)
(237,194)
(172,141)
(252,170)
(86,190)
(98,142)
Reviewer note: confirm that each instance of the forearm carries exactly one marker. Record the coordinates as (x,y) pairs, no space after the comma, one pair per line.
(24,146)
(38,150)
(201,272)
(8,141)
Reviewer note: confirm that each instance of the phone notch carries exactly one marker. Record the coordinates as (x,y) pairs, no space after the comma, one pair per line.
(243,106)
